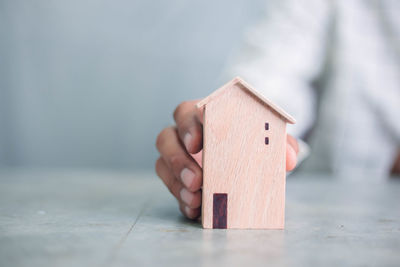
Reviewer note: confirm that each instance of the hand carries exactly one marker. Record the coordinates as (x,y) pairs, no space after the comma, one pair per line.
(396,165)
(176,165)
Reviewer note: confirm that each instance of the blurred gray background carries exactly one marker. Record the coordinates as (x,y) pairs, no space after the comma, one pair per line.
(89,84)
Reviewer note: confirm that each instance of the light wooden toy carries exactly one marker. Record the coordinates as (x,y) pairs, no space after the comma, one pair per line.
(244,159)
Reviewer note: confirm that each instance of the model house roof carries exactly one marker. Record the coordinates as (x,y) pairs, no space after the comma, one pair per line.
(248,88)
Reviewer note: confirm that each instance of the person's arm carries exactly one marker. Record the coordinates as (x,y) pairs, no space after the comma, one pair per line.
(284,53)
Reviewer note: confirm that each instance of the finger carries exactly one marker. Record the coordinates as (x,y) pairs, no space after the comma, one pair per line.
(182,165)
(166,175)
(190,199)
(293,142)
(188,120)
(188,212)
(291,157)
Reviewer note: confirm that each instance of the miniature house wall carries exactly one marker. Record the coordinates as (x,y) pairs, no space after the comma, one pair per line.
(243,159)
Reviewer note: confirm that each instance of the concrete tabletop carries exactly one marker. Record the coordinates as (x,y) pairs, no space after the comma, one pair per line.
(54,218)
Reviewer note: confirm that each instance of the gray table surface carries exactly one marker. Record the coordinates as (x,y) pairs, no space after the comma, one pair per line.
(85,218)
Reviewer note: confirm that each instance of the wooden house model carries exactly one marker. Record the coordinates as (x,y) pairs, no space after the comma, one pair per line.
(244,159)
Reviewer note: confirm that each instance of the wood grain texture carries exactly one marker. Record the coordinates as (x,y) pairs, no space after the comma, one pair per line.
(237,161)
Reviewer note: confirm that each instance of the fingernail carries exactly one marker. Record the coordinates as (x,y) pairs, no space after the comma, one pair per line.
(187,177)
(187,139)
(188,210)
(186,196)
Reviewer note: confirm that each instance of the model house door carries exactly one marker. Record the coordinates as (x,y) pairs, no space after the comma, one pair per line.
(220,212)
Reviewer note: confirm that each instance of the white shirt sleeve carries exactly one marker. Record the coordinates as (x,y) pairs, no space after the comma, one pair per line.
(283,54)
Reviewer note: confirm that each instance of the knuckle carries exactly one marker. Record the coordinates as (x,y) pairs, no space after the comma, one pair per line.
(170,190)
(158,165)
(181,108)
(160,141)
(169,183)
(177,110)
(174,188)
